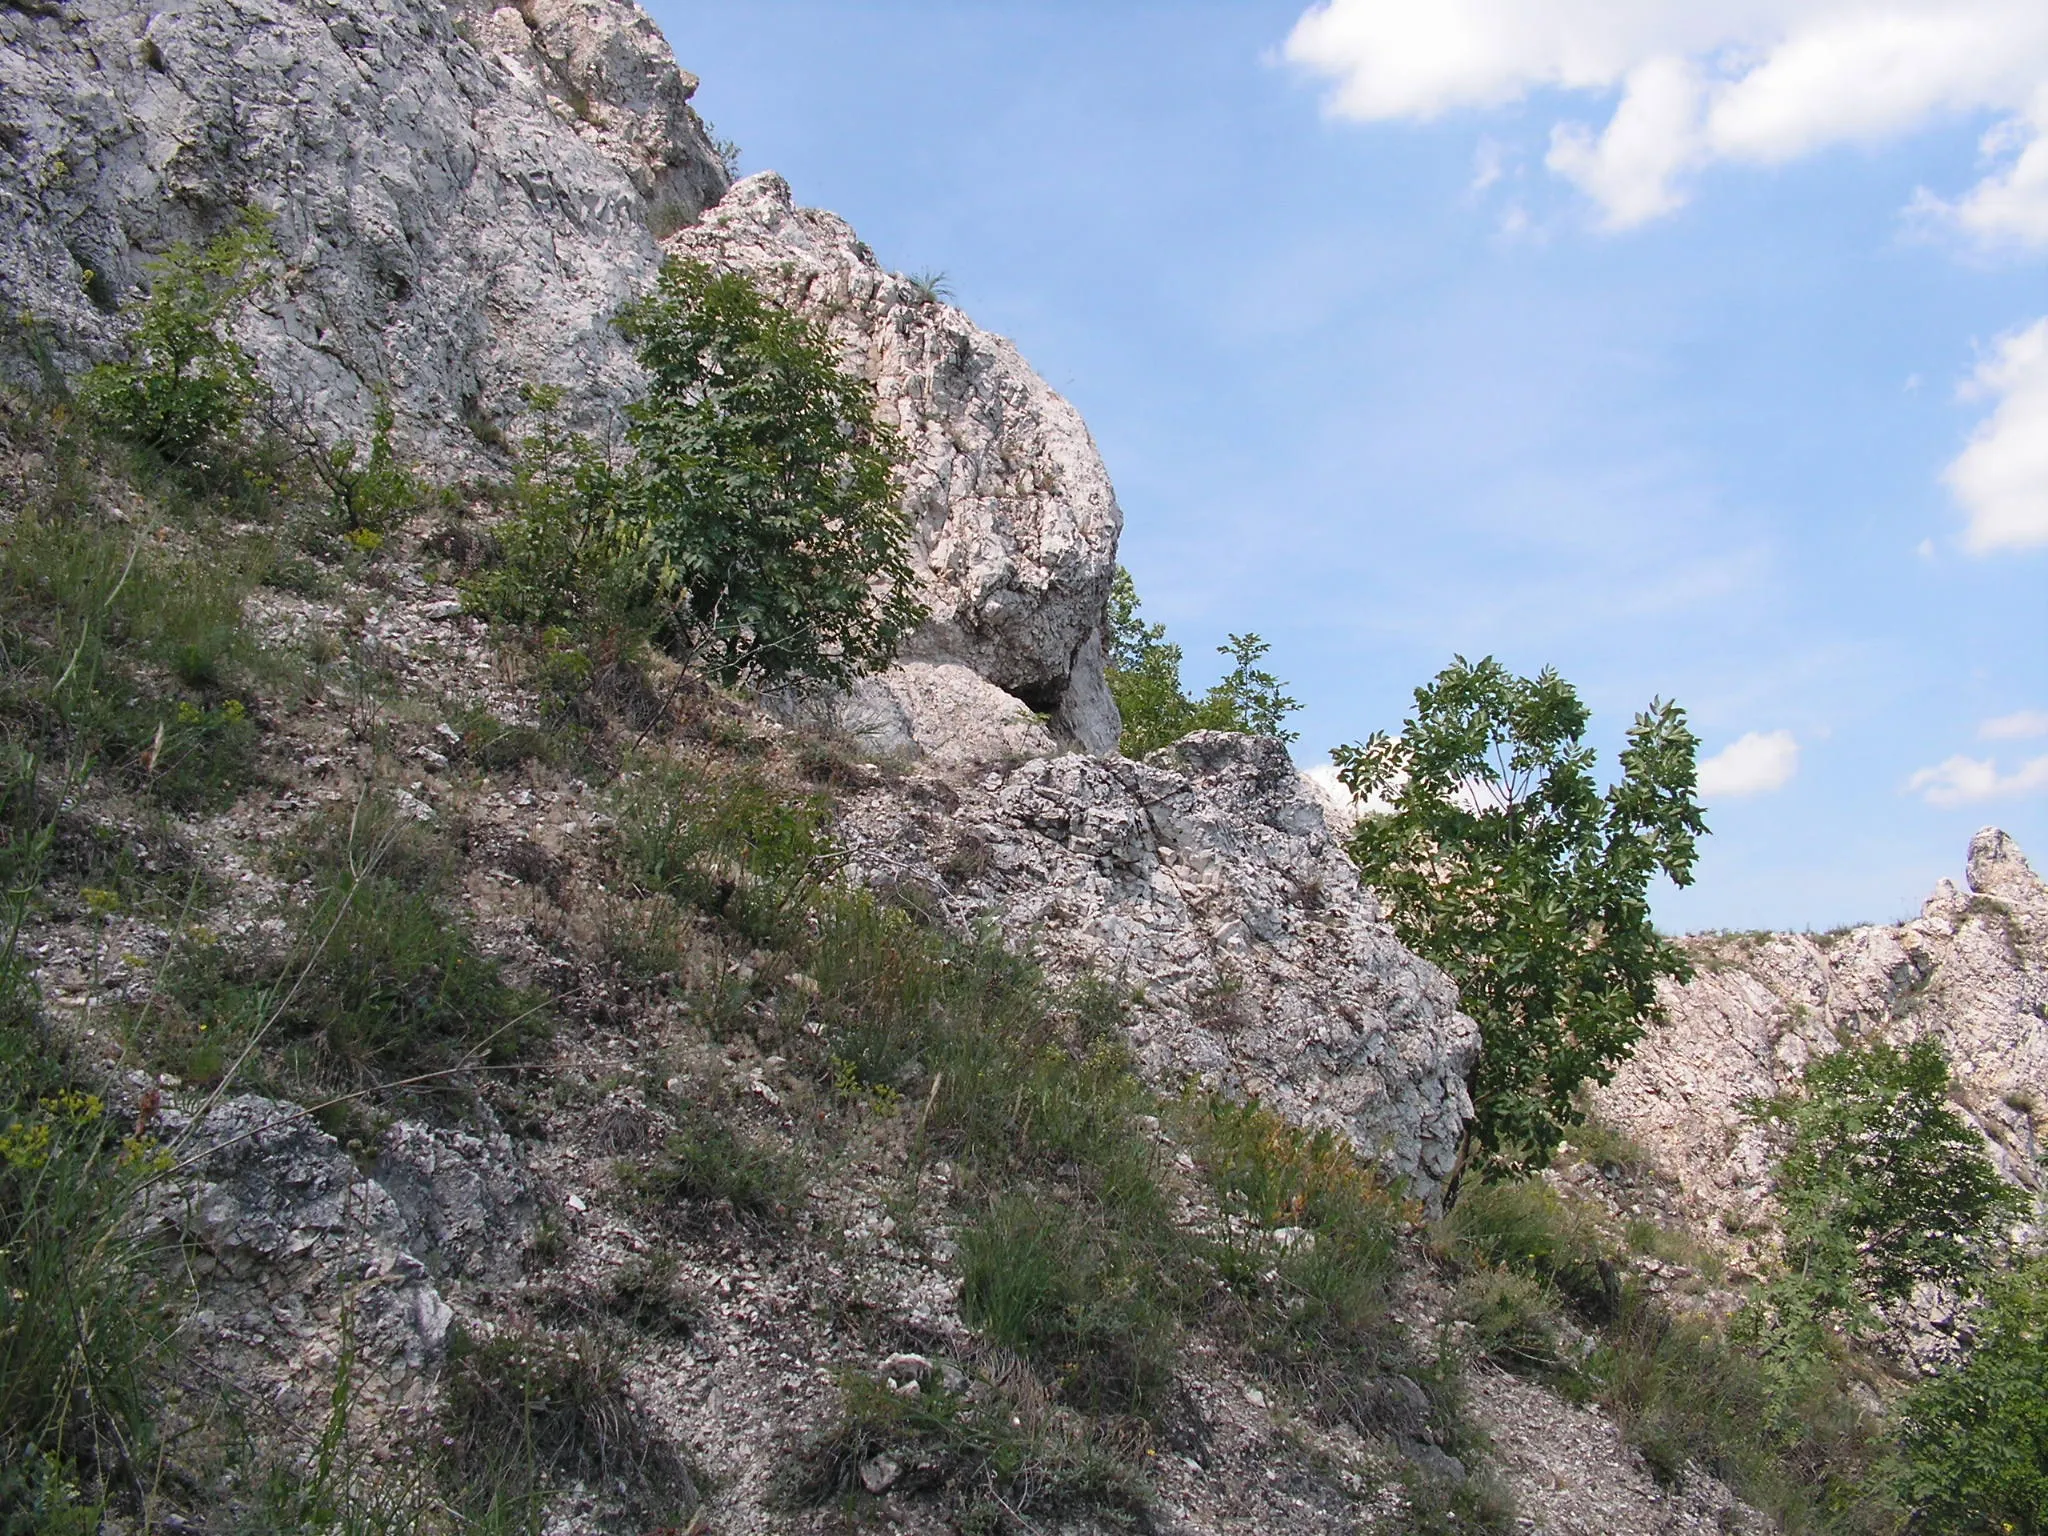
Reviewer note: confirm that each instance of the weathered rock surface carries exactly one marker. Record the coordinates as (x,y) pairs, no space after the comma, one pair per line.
(464,195)
(275,1207)
(1204,879)
(1015,521)
(941,712)
(1971,971)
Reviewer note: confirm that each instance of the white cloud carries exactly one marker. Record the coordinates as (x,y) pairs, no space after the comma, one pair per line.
(2001,479)
(1756,81)
(2021,725)
(1754,764)
(1966,780)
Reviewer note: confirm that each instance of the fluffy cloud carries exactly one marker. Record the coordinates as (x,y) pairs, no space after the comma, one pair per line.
(1757,81)
(2001,479)
(2021,725)
(1754,764)
(1966,780)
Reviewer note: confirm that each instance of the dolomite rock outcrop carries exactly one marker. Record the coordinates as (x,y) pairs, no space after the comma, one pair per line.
(1015,522)
(1204,880)
(463,195)
(1971,972)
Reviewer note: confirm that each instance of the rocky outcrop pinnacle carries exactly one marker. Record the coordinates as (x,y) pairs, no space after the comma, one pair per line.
(1971,972)
(1015,522)
(1203,881)
(463,196)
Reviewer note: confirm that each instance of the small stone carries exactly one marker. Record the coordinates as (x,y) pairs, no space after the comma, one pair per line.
(878,1474)
(442,610)
(576,1203)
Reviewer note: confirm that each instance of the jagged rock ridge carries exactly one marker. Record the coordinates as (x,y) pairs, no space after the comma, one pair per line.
(1971,971)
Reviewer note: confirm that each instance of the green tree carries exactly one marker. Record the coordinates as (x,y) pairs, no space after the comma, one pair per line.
(1143,670)
(764,486)
(1499,858)
(1976,1436)
(1882,1185)
(186,380)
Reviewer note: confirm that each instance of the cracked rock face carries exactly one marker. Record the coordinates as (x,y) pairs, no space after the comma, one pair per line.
(1971,972)
(1015,523)
(1203,878)
(464,195)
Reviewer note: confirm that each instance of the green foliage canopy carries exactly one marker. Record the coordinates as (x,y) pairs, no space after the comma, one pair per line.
(1882,1184)
(765,487)
(1499,858)
(186,380)
(1976,1437)
(1144,678)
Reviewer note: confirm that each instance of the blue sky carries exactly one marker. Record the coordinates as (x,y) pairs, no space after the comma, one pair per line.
(1627,343)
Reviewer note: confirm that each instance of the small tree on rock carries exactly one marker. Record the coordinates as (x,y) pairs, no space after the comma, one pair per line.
(1143,673)
(765,487)
(186,380)
(1499,858)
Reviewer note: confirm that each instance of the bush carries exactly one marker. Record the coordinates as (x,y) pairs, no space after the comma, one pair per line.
(186,380)
(567,560)
(1882,1185)
(1143,673)
(765,488)
(379,493)
(1976,1435)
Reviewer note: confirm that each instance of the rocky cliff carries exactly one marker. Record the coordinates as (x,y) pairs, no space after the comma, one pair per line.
(463,195)
(1971,971)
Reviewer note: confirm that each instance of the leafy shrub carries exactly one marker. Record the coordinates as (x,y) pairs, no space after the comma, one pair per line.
(1501,860)
(1144,678)
(377,494)
(187,381)
(567,561)
(1882,1185)
(765,487)
(1976,1435)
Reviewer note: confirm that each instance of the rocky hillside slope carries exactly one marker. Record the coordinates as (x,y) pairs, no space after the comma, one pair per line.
(654,1109)
(1971,972)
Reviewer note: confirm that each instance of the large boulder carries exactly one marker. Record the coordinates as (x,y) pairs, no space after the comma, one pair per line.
(1204,880)
(463,195)
(1971,972)
(1015,523)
